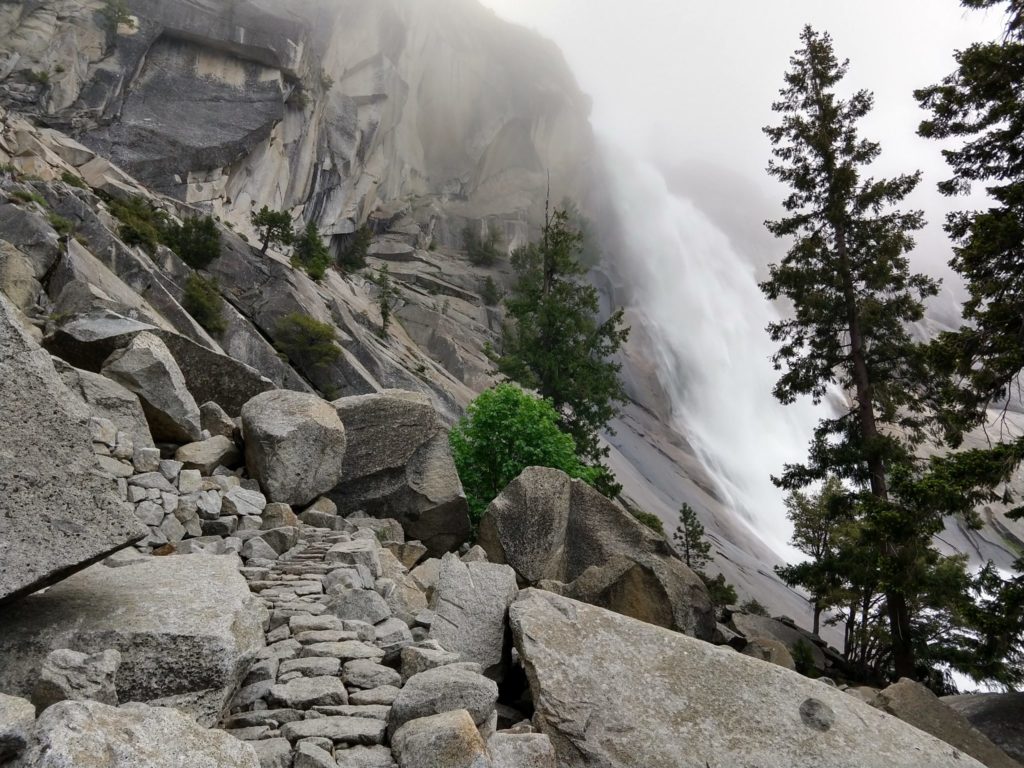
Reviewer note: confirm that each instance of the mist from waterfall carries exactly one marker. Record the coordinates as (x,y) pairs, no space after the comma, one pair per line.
(708,318)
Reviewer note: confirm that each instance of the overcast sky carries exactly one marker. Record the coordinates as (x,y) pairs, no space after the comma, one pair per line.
(689,81)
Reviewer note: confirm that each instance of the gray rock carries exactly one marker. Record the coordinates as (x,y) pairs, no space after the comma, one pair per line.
(418,658)
(312,667)
(997,715)
(361,604)
(364,673)
(311,756)
(521,750)
(108,399)
(68,675)
(912,703)
(191,653)
(444,689)
(207,455)
(576,533)
(147,368)
(751,626)
(216,421)
(17,716)
(278,515)
(409,553)
(471,611)
(364,757)
(340,730)
(391,636)
(770,650)
(273,753)
(83,734)
(344,649)
(385,695)
(398,464)
(239,501)
(258,549)
(57,515)
(307,692)
(360,552)
(445,740)
(673,700)
(146,459)
(294,445)
(190,481)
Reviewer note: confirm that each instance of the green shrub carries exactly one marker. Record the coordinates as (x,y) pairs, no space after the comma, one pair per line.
(203,301)
(753,607)
(650,520)
(72,180)
(64,227)
(26,196)
(116,13)
(141,223)
(505,430)
(308,343)
(721,592)
(489,292)
(353,257)
(803,659)
(274,227)
(483,251)
(196,240)
(311,254)
(41,77)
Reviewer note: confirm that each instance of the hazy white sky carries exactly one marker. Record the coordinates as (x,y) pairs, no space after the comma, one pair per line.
(685,80)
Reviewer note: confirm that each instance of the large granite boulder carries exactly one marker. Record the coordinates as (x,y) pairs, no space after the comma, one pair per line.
(912,703)
(187,628)
(551,528)
(16,719)
(295,445)
(445,740)
(470,606)
(398,464)
(997,715)
(147,368)
(752,627)
(88,734)
(614,692)
(108,400)
(57,514)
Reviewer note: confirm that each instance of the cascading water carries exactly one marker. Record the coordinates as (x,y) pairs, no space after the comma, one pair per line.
(708,317)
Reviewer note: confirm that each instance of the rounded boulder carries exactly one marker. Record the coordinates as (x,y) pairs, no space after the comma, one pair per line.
(294,445)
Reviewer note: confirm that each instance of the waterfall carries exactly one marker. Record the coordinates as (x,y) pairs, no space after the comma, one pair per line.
(708,318)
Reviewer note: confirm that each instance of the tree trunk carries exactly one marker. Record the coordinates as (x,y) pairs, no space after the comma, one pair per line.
(817,617)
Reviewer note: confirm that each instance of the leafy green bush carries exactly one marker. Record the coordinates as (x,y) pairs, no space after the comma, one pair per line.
(203,301)
(116,13)
(505,430)
(311,254)
(803,659)
(489,292)
(141,223)
(72,180)
(273,227)
(196,240)
(64,227)
(308,343)
(25,196)
(721,592)
(354,256)
(753,607)
(483,250)
(651,521)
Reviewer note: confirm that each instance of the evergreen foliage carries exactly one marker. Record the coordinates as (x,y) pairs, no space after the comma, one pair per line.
(689,539)
(489,292)
(196,240)
(848,276)
(557,345)
(354,256)
(311,254)
(203,301)
(505,430)
(308,343)
(274,227)
(483,250)
(387,297)
(141,223)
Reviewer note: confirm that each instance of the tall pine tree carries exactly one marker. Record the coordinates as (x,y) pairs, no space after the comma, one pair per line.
(853,294)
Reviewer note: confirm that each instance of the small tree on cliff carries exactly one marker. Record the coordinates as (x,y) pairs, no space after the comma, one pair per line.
(689,539)
(273,227)
(848,277)
(558,345)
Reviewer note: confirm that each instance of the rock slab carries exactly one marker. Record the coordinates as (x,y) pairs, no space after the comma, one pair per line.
(613,692)
(57,514)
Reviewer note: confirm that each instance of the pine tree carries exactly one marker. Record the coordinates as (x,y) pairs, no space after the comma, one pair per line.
(558,345)
(311,253)
(848,277)
(387,297)
(689,539)
(273,227)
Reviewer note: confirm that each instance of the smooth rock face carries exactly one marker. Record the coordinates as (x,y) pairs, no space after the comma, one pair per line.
(912,703)
(56,514)
(16,719)
(72,676)
(997,715)
(87,734)
(550,527)
(446,740)
(186,626)
(611,691)
(147,368)
(398,464)
(471,611)
(294,445)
